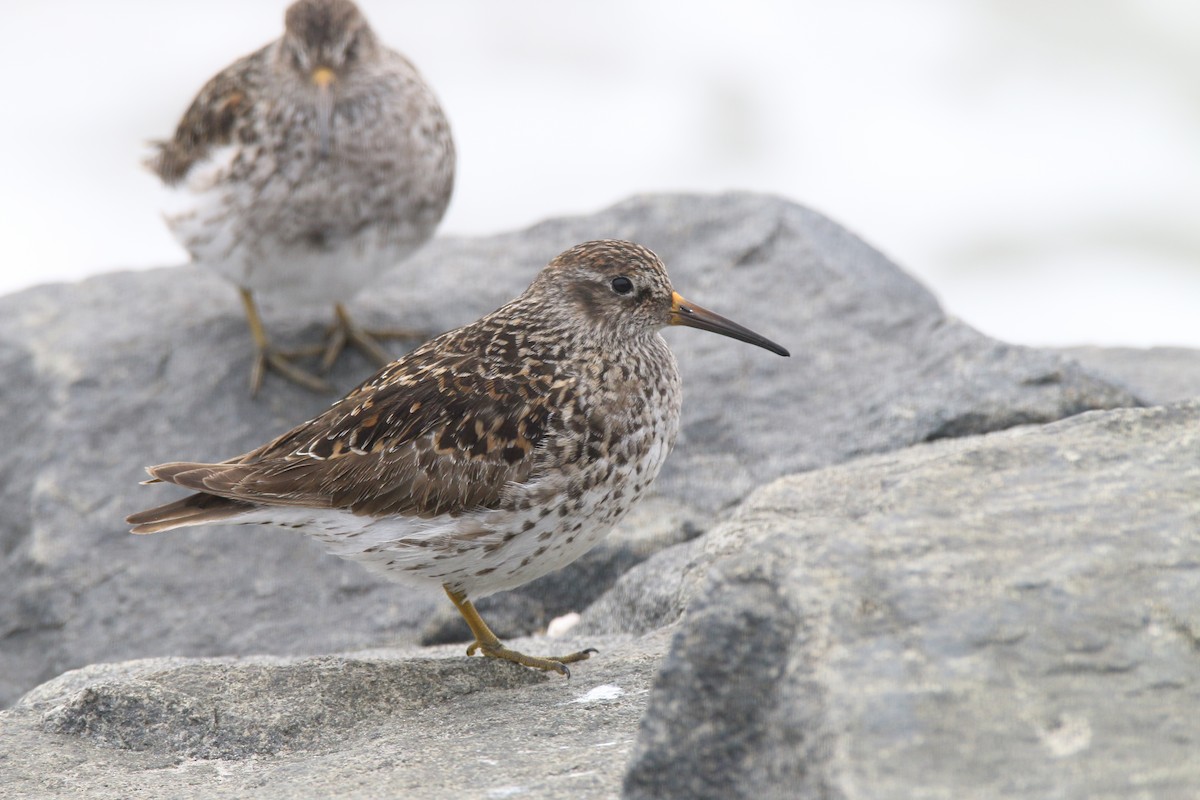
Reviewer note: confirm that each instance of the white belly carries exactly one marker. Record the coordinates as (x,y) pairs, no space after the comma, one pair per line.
(306,235)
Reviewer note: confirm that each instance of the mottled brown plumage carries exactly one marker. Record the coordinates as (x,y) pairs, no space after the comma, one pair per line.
(492,454)
(308,168)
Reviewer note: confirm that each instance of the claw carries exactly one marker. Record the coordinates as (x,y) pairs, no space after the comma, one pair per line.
(487,643)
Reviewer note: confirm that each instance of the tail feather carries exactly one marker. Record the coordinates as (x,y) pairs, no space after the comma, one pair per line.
(201,508)
(215,478)
(196,509)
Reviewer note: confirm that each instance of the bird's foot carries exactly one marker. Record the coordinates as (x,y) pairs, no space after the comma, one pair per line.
(266,356)
(548,663)
(277,360)
(487,643)
(346,331)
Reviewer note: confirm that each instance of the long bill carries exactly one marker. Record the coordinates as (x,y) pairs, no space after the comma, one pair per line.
(324,78)
(694,316)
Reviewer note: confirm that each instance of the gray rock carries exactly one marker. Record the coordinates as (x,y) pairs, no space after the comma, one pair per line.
(1015,615)
(651,594)
(654,594)
(368,724)
(235,710)
(111,374)
(1157,375)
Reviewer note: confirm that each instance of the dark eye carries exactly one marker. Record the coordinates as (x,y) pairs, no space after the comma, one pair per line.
(622,285)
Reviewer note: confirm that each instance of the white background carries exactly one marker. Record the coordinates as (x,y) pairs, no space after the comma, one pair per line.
(1036,163)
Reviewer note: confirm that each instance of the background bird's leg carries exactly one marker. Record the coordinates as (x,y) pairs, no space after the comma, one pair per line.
(346,331)
(267,356)
(487,643)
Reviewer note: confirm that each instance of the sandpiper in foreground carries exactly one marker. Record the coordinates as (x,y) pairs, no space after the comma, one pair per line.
(492,454)
(307,169)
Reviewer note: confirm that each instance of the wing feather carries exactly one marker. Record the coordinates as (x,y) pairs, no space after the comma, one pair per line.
(424,438)
(212,119)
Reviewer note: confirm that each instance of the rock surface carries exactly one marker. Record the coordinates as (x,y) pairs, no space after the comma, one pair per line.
(1014,615)
(371,724)
(1157,375)
(124,370)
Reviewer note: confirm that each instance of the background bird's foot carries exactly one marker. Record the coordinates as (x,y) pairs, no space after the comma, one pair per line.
(548,663)
(346,331)
(276,360)
(267,356)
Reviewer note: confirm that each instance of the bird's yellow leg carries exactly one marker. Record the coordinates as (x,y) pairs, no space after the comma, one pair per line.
(267,356)
(487,643)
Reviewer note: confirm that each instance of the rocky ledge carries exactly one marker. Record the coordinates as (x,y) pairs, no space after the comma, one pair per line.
(911,561)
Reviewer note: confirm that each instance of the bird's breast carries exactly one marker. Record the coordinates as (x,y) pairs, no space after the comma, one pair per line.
(629,419)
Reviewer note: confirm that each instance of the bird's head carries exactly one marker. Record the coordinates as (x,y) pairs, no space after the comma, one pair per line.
(623,288)
(325,41)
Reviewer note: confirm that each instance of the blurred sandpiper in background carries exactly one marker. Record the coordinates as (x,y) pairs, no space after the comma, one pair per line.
(1036,164)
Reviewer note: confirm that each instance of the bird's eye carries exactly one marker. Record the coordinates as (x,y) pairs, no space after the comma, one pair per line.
(622,285)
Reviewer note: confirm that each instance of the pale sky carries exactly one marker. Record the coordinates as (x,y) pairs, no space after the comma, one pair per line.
(1036,164)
